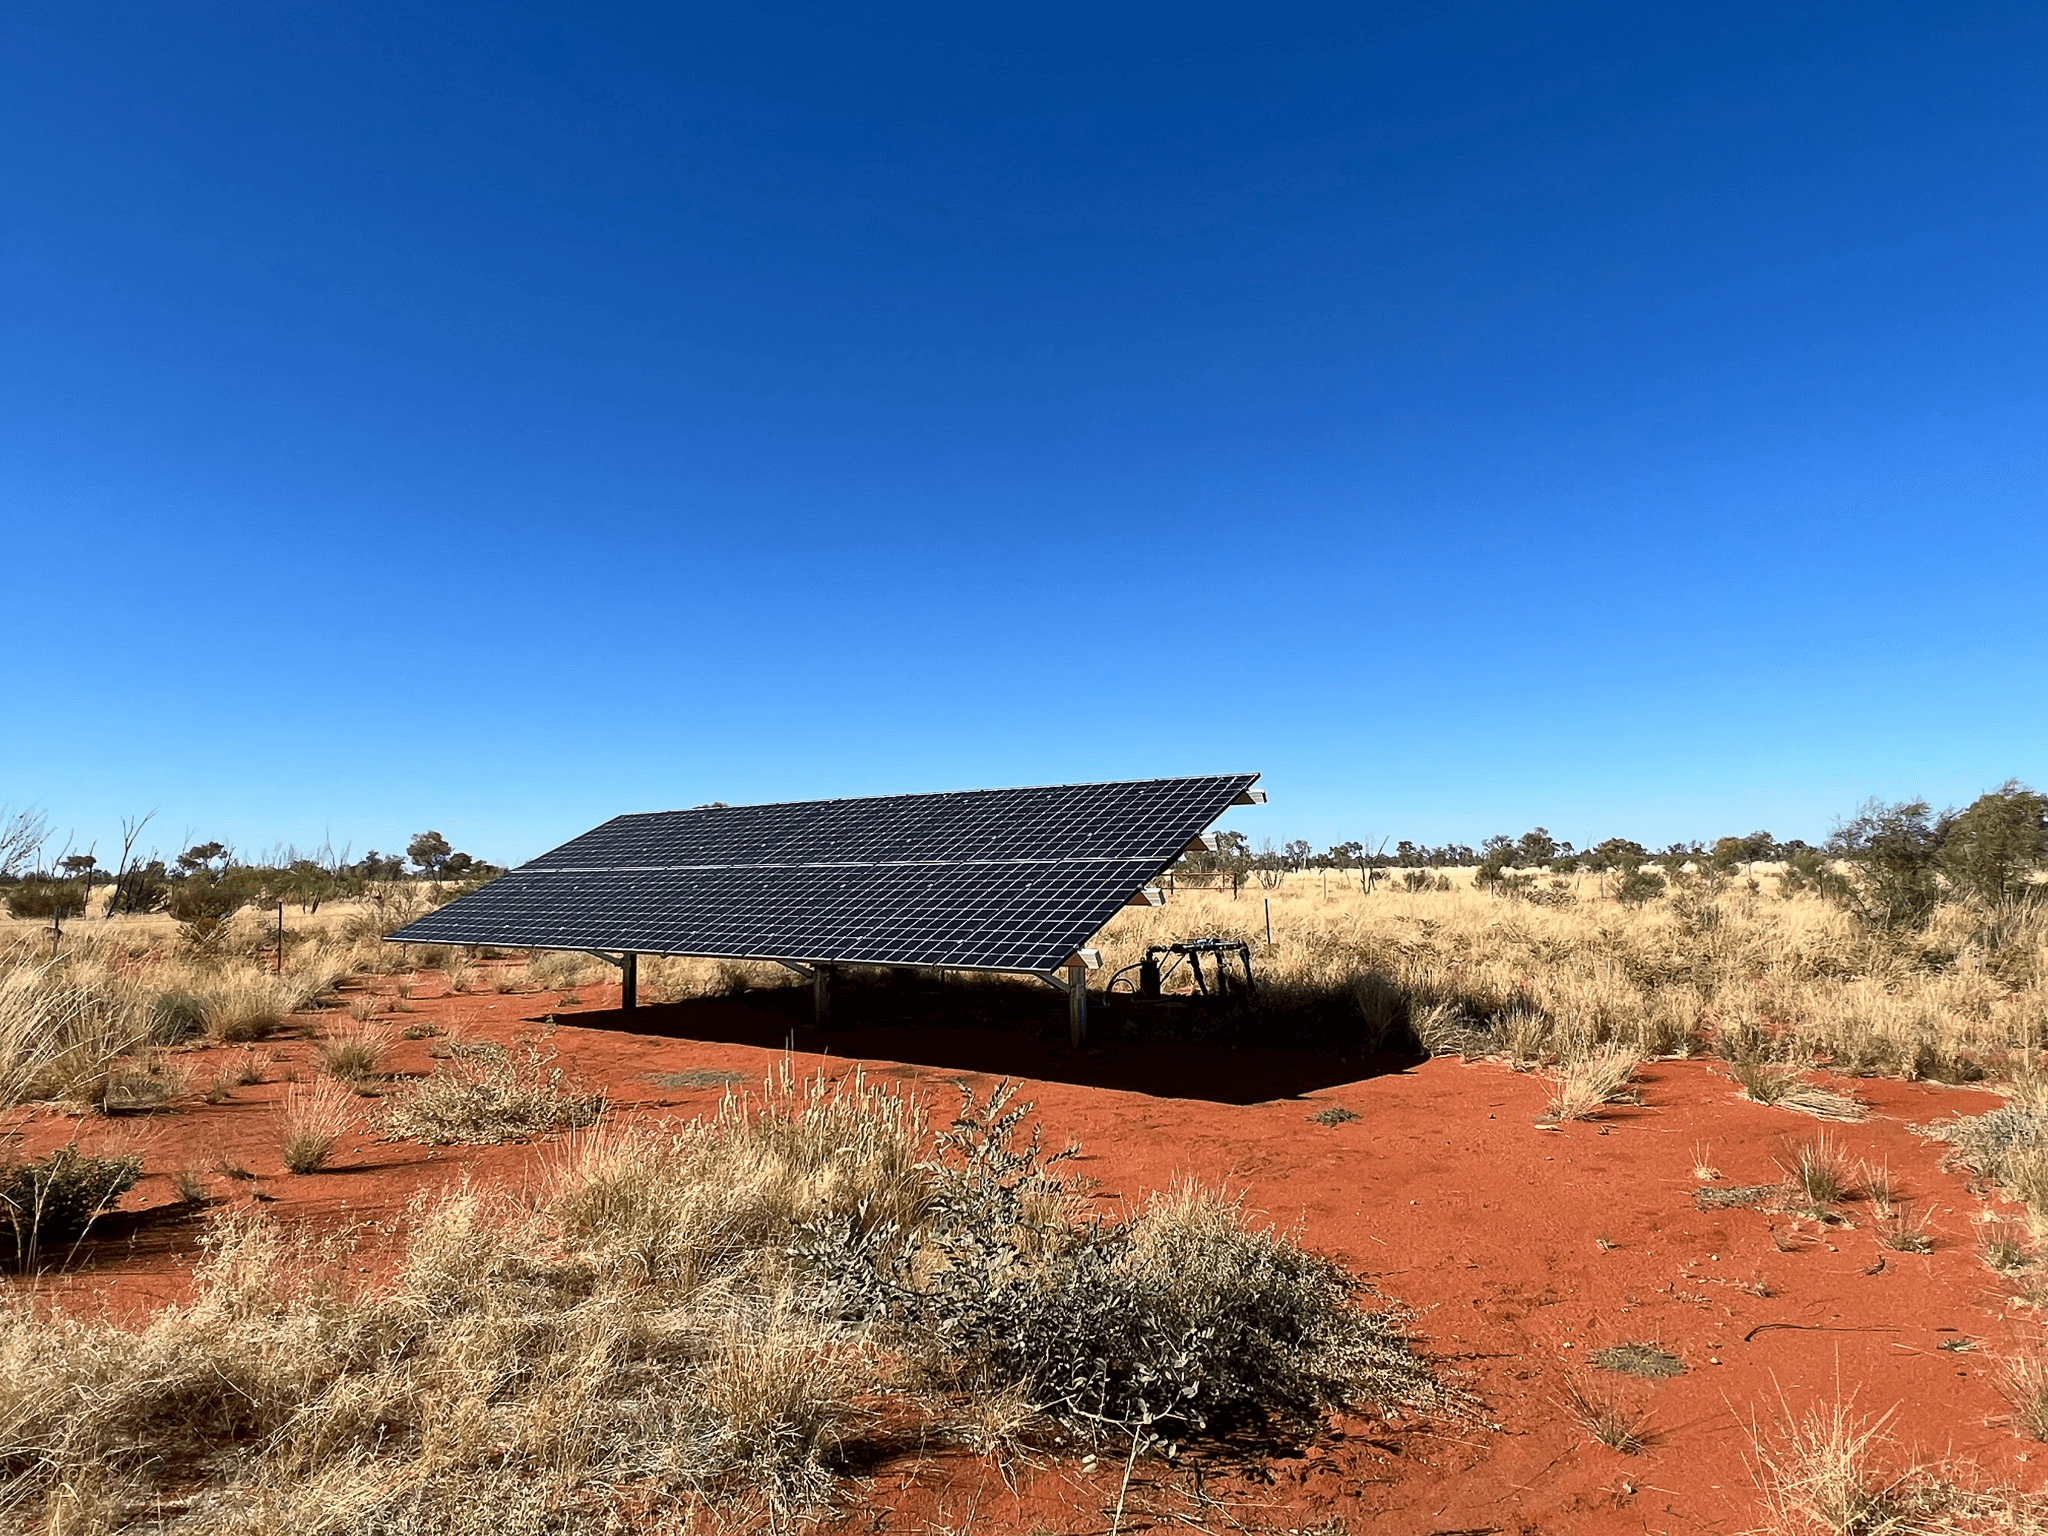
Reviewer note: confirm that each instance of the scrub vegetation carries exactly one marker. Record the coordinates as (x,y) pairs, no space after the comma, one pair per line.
(1915,947)
(748,1308)
(737,1309)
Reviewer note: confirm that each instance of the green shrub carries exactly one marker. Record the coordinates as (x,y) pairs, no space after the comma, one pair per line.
(1633,887)
(203,904)
(1896,851)
(37,897)
(1992,849)
(56,1198)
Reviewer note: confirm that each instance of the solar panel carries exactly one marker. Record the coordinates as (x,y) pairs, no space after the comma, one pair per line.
(988,879)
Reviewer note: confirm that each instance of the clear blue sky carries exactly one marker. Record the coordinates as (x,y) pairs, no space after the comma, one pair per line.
(1626,418)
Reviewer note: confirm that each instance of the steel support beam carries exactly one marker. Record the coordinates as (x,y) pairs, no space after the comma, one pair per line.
(822,977)
(1077,1003)
(629,981)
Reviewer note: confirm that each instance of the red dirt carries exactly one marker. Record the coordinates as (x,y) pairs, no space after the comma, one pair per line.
(1521,1250)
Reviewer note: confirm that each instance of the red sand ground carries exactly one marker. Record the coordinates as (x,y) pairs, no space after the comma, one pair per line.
(1520,1249)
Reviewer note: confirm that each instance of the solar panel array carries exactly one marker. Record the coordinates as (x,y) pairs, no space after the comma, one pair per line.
(990,879)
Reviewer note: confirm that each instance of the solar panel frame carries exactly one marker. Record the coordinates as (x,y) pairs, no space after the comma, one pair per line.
(1010,880)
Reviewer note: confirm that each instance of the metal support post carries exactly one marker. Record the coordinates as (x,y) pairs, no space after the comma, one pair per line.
(629,981)
(821,994)
(1077,1006)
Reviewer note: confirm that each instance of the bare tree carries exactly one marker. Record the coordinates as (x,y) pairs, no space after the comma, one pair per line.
(21,838)
(131,833)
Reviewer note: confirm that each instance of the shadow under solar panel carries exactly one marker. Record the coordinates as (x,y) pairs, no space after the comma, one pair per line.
(990,879)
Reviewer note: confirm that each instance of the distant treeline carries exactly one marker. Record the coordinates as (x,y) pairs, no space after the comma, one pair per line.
(1535,849)
(207,884)
(1902,858)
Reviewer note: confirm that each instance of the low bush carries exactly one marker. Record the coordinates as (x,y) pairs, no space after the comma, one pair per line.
(483,1094)
(204,905)
(680,1320)
(38,898)
(1633,887)
(56,1198)
(1179,1322)
(2008,1145)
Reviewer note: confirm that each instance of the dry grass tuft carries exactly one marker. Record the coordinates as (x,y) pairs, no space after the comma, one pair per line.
(1820,1172)
(1588,1084)
(350,1053)
(1645,1360)
(243,1002)
(1617,1425)
(63,1025)
(1826,1471)
(1900,1231)
(190,1186)
(2023,1378)
(1782,1087)
(559,970)
(460,971)
(704,1318)
(483,1094)
(2003,1246)
(311,1121)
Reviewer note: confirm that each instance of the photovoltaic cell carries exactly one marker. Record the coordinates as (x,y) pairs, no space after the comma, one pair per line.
(990,879)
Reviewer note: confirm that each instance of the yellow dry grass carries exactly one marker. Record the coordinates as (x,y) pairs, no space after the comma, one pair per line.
(1755,974)
(681,1314)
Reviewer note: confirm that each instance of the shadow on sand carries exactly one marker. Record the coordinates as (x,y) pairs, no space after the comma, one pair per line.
(1170,1049)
